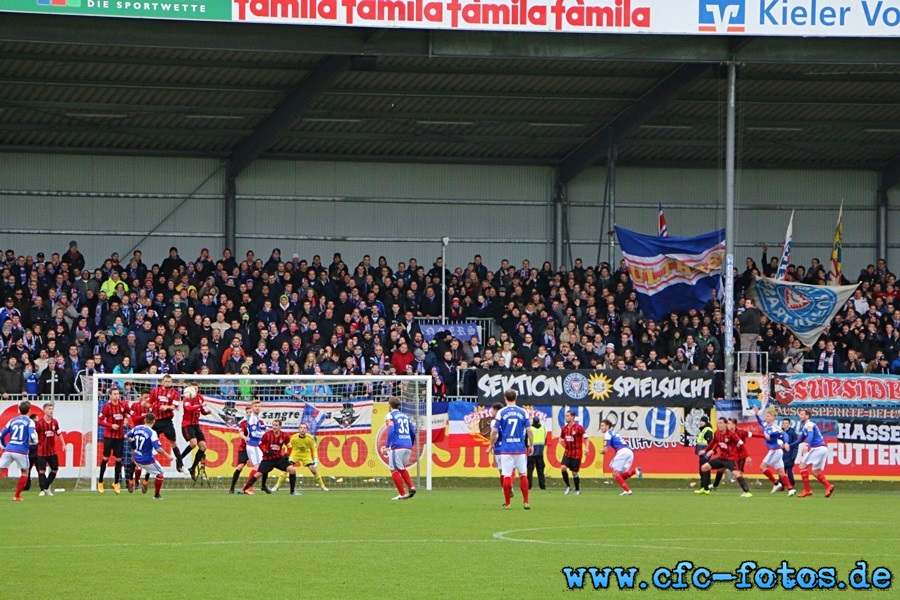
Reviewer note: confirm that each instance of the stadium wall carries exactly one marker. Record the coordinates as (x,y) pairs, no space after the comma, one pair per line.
(401,210)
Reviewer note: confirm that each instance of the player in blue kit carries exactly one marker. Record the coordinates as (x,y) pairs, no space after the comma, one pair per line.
(15,439)
(145,442)
(816,458)
(256,429)
(401,436)
(776,442)
(512,428)
(622,461)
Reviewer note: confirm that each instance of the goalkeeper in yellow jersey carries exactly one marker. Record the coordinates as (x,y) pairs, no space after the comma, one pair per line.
(303,453)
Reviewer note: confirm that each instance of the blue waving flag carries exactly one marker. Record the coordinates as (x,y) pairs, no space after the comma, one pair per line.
(805,309)
(673,274)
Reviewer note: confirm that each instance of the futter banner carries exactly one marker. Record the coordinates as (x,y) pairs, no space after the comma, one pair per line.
(859,417)
(806,18)
(615,388)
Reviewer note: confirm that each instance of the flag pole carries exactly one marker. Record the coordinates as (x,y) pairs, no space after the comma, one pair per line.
(729,232)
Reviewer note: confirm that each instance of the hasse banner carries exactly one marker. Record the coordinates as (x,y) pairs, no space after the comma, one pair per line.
(613,388)
(807,18)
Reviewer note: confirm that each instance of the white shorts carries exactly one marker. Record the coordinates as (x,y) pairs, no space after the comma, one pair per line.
(10,458)
(511,462)
(398,458)
(775,459)
(254,455)
(153,468)
(621,462)
(816,458)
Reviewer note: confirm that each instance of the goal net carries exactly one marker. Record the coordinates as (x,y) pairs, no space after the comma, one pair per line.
(345,414)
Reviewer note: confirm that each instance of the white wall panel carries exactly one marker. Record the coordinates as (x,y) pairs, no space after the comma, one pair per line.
(395,210)
(96,201)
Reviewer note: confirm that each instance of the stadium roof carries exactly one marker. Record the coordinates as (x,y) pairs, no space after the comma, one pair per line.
(242,92)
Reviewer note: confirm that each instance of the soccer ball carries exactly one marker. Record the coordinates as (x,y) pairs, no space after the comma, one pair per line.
(189,392)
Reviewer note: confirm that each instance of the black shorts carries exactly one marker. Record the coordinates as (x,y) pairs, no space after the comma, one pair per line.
(242,457)
(193,432)
(44,461)
(113,446)
(573,464)
(281,464)
(165,427)
(721,463)
(740,463)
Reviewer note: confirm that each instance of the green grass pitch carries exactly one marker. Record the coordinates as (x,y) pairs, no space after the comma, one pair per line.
(448,543)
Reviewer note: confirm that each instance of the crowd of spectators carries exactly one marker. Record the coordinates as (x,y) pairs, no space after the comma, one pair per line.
(293,316)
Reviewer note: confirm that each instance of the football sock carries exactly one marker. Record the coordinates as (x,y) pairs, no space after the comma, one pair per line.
(768,473)
(786,483)
(250,481)
(822,480)
(157,485)
(293,481)
(407,479)
(178,462)
(501,480)
(628,475)
(718,478)
(51,478)
(264,479)
(186,451)
(102,470)
(577,481)
(42,480)
(20,484)
(118,472)
(507,489)
(704,480)
(565,475)
(235,477)
(280,480)
(743,483)
(523,485)
(319,481)
(805,475)
(621,481)
(398,481)
(200,455)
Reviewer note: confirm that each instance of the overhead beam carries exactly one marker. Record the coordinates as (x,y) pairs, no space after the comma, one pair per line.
(662,48)
(659,98)
(193,35)
(890,177)
(297,101)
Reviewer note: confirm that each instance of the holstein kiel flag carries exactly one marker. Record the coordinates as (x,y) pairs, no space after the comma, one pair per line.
(804,309)
(673,274)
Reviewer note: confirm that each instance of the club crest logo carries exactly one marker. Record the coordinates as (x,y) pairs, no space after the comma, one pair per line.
(575,385)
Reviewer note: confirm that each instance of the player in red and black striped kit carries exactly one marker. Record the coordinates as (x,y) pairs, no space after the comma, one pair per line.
(164,400)
(114,420)
(572,437)
(742,453)
(722,453)
(273,445)
(241,452)
(190,429)
(48,432)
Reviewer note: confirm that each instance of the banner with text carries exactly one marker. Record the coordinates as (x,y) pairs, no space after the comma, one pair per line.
(584,387)
(802,18)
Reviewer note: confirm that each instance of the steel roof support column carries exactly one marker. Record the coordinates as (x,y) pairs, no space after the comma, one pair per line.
(230,200)
(729,232)
(559,199)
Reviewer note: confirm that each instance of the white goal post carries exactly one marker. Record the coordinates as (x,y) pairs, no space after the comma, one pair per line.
(345,413)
